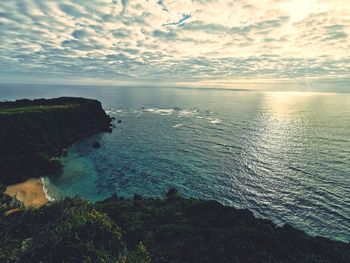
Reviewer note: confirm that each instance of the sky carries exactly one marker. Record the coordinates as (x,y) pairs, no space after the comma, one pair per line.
(169,41)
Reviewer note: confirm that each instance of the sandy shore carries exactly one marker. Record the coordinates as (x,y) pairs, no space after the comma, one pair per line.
(30,192)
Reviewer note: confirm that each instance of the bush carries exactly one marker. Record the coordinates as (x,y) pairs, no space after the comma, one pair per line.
(71,231)
(67,231)
(139,255)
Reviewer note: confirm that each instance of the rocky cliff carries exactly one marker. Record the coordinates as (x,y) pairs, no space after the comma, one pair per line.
(33,132)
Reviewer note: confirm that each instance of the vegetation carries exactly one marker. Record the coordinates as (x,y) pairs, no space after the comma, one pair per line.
(68,231)
(34,108)
(173,229)
(177,229)
(34,131)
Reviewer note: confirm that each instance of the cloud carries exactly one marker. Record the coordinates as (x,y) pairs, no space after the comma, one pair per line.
(184,40)
(79,34)
(71,10)
(124,4)
(162,5)
(167,35)
(201,26)
(179,22)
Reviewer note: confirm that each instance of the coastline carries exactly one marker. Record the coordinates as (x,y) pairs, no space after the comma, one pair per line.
(32,192)
(81,117)
(46,191)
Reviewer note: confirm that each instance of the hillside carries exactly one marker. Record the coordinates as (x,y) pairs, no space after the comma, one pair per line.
(33,132)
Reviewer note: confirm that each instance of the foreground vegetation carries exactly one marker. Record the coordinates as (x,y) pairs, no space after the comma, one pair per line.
(33,132)
(68,231)
(173,229)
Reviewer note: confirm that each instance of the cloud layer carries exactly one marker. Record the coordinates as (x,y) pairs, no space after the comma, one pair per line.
(175,41)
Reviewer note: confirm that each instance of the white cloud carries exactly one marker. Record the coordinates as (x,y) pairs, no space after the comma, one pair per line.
(176,41)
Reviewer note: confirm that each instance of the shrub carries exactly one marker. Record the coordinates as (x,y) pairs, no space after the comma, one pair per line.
(67,231)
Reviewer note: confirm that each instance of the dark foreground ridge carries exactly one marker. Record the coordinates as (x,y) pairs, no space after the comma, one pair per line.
(168,230)
(173,229)
(33,132)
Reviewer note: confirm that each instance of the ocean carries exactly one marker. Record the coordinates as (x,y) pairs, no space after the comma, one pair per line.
(285,155)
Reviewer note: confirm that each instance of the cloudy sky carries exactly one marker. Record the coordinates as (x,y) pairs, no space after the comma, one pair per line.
(174,41)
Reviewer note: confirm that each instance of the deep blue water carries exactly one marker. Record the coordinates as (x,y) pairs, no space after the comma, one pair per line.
(283,155)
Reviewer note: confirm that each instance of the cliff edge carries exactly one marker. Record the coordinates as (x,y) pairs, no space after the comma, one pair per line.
(33,132)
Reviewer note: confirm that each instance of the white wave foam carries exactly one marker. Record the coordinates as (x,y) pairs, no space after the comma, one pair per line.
(186,113)
(113,111)
(49,198)
(214,120)
(182,114)
(165,111)
(178,125)
(160,111)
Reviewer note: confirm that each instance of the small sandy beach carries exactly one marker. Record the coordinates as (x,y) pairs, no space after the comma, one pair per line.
(30,192)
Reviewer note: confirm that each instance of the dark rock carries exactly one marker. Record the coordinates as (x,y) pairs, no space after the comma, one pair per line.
(64,151)
(2,189)
(172,192)
(96,145)
(137,199)
(15,202)
(119,121)
(114,197)
(6,200)
(34,131)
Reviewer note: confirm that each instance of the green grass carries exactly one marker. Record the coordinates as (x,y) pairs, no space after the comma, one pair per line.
(71,230)
(25,109)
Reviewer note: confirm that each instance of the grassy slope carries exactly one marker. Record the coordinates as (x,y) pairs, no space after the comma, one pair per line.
(35,108)
(68,231)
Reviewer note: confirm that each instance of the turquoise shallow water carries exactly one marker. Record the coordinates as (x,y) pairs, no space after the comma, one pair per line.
(283,155)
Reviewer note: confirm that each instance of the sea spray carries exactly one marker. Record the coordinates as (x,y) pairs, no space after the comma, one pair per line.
(49,198)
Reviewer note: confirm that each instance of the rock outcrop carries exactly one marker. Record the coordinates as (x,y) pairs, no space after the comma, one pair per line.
(32,132)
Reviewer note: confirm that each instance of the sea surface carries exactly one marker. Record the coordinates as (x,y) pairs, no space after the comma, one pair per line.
(283,155)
